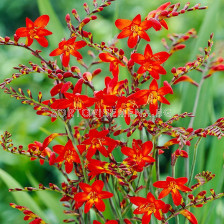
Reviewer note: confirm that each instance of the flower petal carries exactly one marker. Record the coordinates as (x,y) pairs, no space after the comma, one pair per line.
(124,33)
(98,185)
(100,205)
(42,21)
(132,40)
(21,32)
(122,23)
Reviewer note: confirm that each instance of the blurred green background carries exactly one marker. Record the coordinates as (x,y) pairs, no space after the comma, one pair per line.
(26,126)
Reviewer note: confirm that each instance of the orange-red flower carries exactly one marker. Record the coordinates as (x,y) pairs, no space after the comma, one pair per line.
(152,96)
(128,106)
(151,62)
(68,154)
(160,13)
(92,195)
(35,30)
(114,62)
(172,185)
(75,101)
(138,155)
(148,206)
(133,29)
(97,141)
(67,48)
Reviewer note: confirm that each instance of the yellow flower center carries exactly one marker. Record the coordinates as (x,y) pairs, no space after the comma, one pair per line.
(153,97)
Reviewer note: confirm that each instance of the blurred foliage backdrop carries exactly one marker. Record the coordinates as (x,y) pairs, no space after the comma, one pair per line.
(26,126)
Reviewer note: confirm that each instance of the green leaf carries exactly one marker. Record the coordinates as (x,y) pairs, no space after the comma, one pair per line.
(54,25)
(50,199)
(22,198)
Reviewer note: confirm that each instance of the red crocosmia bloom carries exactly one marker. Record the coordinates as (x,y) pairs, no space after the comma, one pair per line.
(75,101)
(36,148)
(113,87)
(160,13)
(35,30)
(67,48)
(108,222)
(128,106)
(152,96)
(148,206)
(97,140)
(172,185)
(114,62)
(97,167)
(103,103)
(138,155)
(133,29)
(92,195)
(68,154)
(151,62)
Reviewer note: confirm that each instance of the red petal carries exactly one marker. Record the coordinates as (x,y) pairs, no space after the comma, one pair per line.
(29,41)
(138,201)
(148,52)
(105,194)
(56,52)
(146,218)
(61,104)
(85,187)
(161,57)
(184,188)
(79,44)
(21,32)
(42,41)
(144,35)
(138,58)
(163,100)
(164,193)
(153,85)
(100,205)
(181,180)
(128,151)
(150,197)
(192,219)
(65,59)
(161,184)
(29,23)
(68,166)
(155,24)
(42,21)
(56,89)
(132,40)
(145,25)
(163,90)
(43,32)
(146,148)
(185,78)
(137,19)
(58,149)
(81,197)
(122,23)
(124,33)
(98,185)
(76,54)
(88,206)
(176,197)
(106,57)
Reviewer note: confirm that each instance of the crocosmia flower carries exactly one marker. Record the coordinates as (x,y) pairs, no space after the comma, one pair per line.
(67,154)
(67,48)
(151,62)
(173,186)
(107,222)
(35,30)
(133,29)
(148,206)
(92,195)
(138,155)
(114,62)
(97,141)
(152,96)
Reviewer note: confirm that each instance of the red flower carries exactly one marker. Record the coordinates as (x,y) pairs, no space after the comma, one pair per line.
(97,167)
(68,154)
(151,62)
(152,96)
(160,13)
(114,62)
(133,29)
(74,101)
(108,222)
(148,206)
(138,155)
(67,47)
(103,103)
(35,30)
(172,185)
(92,195)
(97,141)
(127,105)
